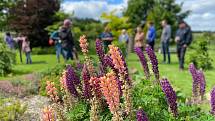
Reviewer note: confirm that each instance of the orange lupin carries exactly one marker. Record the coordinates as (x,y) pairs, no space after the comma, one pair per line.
(63,81)
(83,44)
(48,114)
(52,91)
(109,88)
(117,59)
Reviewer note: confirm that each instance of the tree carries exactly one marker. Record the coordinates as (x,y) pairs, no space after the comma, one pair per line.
(31,17)
(137,10)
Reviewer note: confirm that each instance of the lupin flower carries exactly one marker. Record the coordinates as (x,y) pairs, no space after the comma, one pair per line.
(79,66)
(194,74)
(143,61)
(99,50)
(109,88)
(170,96)
(202,83)
(94,82)
(117,59)
(109,62)
(141,115)
(52,91)
(48,114)
(71,81)
(83,44)
(154,61)
(86,82)
(213,101)
(63,81)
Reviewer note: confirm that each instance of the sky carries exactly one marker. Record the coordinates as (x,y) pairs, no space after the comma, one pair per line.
(201,18)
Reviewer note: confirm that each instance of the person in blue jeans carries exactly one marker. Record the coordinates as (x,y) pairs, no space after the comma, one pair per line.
(151,35)
(26,49)
(55,37)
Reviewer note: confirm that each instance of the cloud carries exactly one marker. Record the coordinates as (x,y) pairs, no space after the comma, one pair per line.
(201,18)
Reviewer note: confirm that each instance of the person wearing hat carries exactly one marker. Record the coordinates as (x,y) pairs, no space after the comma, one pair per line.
(183,39)
(67,41)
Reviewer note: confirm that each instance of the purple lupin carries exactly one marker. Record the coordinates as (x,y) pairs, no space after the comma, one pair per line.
(213,101)
(71,81)
(194,74)
(154,61)
(86,82)
(170,96)
(141,115)
(202,83)
(143,61)
(100,51)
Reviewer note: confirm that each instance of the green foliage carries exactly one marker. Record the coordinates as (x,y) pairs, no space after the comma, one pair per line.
(137,10)
(43,51)
(7,58)
(11,109)
(116,24)
(200,56)
(79,112)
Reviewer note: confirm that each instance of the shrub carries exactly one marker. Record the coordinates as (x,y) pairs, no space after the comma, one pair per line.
(11,109)
(7,58)
(200,56)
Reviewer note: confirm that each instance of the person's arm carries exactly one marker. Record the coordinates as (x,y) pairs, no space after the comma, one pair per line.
(188,37)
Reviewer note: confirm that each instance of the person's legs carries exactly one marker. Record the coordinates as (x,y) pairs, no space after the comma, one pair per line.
(179,54)
(26,55)
(65,54)
(164,51)
(29,57)
(58,52)
(152,44)
(168,52)
(182,55)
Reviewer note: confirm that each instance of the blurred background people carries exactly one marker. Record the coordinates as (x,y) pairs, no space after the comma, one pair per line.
(151,35)
(165,39)
(139,38)
(66,37)
(9,40)
(26,49)
(124,39)
(183,39)
(58,44)
(107,38)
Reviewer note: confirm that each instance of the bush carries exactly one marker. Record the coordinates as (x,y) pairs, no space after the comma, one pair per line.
(200,56)
(11,110)
(7,58)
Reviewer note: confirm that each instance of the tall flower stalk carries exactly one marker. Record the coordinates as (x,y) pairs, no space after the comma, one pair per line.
(143,61)
(170,96)
(48,114)
(86,83)
(111,93)
(119,64)
(154,62)
(212,101)
(71,81)
(141,115)
(196,82)
(202,83)
(52,91)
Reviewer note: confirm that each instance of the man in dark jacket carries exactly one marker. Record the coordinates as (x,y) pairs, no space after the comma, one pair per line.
(183,39)
(67,40)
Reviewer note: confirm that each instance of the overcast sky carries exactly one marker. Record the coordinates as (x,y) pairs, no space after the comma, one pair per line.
(201,18)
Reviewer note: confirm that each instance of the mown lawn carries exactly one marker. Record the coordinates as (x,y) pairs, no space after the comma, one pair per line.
(180,80)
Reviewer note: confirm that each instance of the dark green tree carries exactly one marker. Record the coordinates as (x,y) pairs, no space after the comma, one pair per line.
(31,17)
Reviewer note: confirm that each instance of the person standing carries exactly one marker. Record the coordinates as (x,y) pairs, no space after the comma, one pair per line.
(124,38)
(165,38)
(58,46)
(67,39)
(139,38)
(183,39)
(151,35)
(26,49)
(9,40)
(107,38)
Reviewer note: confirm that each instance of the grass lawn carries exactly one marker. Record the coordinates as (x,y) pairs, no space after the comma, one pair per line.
(180,80)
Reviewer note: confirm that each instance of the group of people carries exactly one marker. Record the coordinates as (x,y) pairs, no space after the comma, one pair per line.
(183,38)
(23,45)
